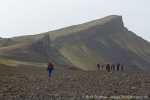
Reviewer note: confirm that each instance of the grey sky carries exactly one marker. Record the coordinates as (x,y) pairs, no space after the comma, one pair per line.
(27,17)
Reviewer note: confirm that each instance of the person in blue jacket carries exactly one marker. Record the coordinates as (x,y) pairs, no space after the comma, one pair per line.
(50,68)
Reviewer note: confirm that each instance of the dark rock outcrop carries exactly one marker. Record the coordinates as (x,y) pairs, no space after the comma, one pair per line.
(45,51)
(42,46)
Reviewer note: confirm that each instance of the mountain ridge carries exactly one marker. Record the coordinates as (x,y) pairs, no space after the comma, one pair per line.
(82,46)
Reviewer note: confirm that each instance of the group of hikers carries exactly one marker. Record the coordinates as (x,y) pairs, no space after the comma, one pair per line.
(109,67)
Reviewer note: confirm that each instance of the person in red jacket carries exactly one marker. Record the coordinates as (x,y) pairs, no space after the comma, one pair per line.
(50,68)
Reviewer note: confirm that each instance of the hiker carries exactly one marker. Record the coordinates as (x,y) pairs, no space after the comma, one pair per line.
(108,67)
(113,66)
(118,65)
(98,65)
(50,67)
(102,67)
(121,66)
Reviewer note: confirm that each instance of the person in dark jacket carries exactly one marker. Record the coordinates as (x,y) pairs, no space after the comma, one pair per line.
(108,67)
(118,65)
(98,65)
(50,68)
(113,66)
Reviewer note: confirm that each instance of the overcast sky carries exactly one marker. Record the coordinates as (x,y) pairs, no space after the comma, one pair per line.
(27,17)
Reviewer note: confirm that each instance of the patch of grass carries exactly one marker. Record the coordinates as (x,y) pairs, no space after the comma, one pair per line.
(81,56)
(16,63)
(130,41)
(103,40)
(136,63)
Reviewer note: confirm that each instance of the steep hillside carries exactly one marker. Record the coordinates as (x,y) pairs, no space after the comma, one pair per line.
(101,41)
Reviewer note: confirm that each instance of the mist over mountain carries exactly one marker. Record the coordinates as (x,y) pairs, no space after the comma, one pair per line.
(82,46)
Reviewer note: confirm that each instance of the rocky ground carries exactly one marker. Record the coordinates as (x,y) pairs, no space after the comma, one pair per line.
(34,84)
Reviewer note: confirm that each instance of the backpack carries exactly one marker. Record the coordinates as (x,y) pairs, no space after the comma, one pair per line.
(50,66)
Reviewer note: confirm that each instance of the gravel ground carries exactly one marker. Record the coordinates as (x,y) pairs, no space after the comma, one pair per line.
(34,84)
